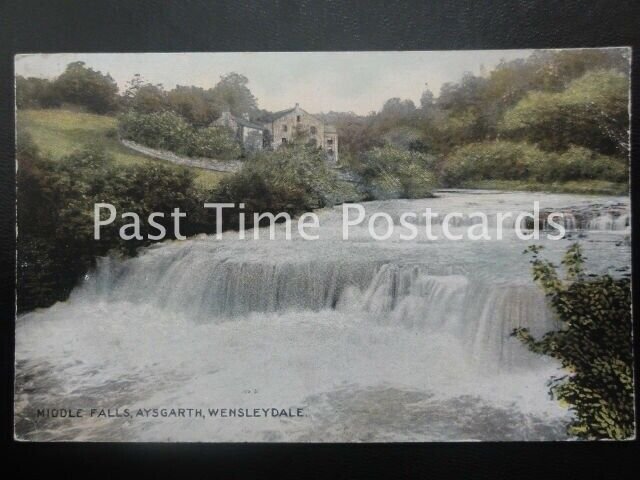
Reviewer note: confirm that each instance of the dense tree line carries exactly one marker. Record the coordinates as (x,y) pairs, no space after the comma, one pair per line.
(541,115)
(196,105)
(548,111)
(77,85)
(179,120)
(84,87)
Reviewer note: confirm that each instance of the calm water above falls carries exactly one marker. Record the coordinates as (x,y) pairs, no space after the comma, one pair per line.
(376,340)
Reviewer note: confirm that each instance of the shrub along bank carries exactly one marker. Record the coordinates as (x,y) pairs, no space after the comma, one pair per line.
(593,345)
(505,160)
(169,131)
(56,200)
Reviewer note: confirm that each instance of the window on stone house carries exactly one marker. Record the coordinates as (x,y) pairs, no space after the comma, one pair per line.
(284,128)
(313,130)
(284,140)
(298,118)
(330,141)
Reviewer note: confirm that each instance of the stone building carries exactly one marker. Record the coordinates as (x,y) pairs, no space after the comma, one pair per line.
(283,127)
(249,134)
(294,123)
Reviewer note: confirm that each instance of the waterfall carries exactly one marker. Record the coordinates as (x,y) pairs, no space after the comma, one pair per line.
(330,325)
(448,290)
(606,218)
(209,286)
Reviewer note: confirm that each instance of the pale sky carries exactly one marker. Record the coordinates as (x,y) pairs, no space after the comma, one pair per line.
(319,81)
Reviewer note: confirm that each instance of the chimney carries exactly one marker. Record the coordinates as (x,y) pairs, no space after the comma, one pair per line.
(297,105)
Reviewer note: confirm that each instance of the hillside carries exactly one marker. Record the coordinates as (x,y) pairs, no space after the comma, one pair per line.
(59,132)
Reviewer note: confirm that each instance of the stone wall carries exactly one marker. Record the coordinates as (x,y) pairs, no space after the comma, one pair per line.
(197,162)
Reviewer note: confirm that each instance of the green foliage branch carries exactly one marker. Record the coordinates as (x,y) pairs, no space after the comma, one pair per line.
(593,345)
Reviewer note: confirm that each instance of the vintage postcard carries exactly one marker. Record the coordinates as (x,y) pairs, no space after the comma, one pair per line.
(324,246)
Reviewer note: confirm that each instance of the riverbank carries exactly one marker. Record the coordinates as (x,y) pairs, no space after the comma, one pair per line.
(583,187)
(60,132)
(376,340)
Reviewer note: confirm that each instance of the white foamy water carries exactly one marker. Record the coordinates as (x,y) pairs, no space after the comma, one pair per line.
(374,340)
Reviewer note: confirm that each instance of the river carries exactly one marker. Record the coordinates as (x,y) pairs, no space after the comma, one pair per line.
(390,340)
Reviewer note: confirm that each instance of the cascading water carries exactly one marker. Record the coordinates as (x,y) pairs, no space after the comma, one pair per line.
(375,341)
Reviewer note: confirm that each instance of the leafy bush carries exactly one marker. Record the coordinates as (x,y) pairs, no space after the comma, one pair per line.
(491,160)
(593,345)
(214,142)
(582,163)
(503,160)
(163,130)
(55,214)
(169,131)
(290,180)
(592,112)
(393,172)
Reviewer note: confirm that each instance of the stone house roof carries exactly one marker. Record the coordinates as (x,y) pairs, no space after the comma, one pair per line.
(227,118)
(271,117)
(248,124)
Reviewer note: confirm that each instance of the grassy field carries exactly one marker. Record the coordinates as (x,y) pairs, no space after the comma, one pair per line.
(59,132)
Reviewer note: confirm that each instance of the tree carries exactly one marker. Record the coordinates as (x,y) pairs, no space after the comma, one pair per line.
(554,70)
(396,108)
(593,345)
(591,112)
(427,100)
(143,97)
(405,138)
(194,104)
(84,86)
(464,117)
(357,133)
(427,105)
(36,93)
(232,93)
